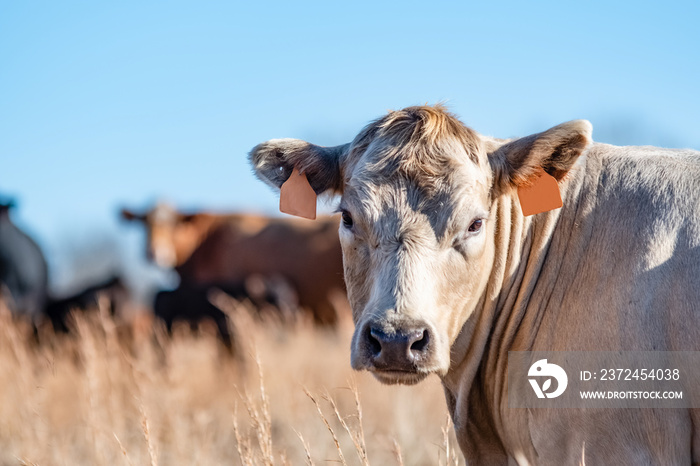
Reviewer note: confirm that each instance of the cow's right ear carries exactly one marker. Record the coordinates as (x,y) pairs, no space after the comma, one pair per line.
(128,215)
(274,160)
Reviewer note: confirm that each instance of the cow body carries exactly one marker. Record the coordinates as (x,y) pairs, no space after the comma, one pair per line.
(193,304)
(445,275)
(616,268)
(23,270)
(208,249)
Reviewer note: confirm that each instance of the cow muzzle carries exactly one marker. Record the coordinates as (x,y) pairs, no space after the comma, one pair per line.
(162,256)
(394,354)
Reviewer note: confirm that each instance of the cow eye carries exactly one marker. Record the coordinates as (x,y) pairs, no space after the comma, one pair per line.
(476,225)
(347,219)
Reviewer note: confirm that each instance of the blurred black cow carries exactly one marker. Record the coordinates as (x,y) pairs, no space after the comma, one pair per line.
(23,270)
(112,291)
(192,303)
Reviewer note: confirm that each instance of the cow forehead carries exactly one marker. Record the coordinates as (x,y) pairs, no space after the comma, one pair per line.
(162,214)
(428,164)
(398,204)
(424,147)
(415,164)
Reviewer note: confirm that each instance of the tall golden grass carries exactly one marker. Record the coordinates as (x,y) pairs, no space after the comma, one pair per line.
(106,396)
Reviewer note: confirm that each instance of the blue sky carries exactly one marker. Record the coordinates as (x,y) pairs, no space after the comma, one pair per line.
(104,104)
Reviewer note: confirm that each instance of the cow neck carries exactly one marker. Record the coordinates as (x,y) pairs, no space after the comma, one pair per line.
(503,320)
(205,225)
(520,248)
(209,222)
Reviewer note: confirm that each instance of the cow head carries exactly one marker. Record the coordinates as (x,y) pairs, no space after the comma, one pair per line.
(171,235)
(418,229)
(5,207)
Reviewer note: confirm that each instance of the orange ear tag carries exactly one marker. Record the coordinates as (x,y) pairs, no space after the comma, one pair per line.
(540,195)
(297,197)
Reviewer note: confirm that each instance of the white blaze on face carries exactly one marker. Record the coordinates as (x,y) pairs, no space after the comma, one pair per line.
(402,282)
(162,223)
(163,253)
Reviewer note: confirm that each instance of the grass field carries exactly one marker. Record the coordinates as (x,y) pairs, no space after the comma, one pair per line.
(113,394)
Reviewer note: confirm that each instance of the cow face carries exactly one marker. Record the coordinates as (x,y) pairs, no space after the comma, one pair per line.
(418,225)
(171,236)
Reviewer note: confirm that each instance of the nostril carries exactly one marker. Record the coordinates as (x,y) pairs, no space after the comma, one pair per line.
(421,342)
(374,343)
(401,349)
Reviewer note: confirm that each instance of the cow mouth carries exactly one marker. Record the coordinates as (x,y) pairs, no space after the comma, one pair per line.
(394,377)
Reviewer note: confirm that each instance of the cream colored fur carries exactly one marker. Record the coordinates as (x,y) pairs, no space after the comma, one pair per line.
(615,269)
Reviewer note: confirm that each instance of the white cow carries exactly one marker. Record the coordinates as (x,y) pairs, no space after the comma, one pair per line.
(446,275)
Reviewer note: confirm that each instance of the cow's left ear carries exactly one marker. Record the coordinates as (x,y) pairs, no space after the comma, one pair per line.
(555,150)
(274,160)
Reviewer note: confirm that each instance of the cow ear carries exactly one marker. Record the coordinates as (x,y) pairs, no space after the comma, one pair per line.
(128,215)
(555,151)
(274,160)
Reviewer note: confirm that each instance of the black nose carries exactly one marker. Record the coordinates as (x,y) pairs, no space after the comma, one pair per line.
(402,350)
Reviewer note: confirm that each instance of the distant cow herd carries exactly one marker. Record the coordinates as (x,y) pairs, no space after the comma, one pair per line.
(286,266)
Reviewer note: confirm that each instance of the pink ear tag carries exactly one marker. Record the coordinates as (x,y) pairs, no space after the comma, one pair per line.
(297,197)
(541,194)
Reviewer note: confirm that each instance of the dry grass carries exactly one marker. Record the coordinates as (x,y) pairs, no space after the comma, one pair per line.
(102,399)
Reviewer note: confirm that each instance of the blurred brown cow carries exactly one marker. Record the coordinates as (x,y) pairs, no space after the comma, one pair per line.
(207,248)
